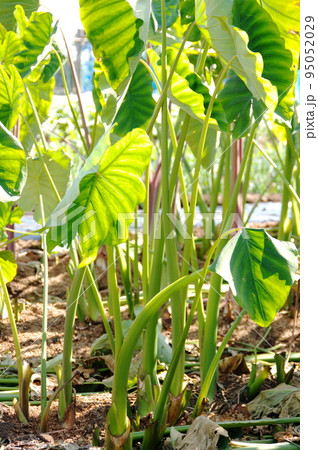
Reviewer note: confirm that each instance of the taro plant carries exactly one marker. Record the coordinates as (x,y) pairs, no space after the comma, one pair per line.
(217,68)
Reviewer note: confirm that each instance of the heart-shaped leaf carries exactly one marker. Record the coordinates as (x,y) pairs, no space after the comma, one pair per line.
(103,210)
(260,271)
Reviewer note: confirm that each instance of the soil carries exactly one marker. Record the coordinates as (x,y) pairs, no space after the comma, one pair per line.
(26,290)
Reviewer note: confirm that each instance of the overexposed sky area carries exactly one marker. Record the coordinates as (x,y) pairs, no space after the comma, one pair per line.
(67,12)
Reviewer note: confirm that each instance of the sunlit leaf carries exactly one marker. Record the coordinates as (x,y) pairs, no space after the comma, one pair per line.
(180,91)
(104,206)
(7,8)
(11,90)
(36,36)
(214,20)
(38,183)
(260,271)
(11,44)
(12,166)
(8,265)
(113,31)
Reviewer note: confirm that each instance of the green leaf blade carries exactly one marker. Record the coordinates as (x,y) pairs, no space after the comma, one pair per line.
(12,166)
(260,271)
(104,206)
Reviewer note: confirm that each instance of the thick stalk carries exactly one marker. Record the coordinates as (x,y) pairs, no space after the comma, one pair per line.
(159,415)
(117,415)
(44,313)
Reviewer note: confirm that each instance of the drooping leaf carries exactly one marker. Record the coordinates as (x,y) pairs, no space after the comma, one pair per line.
(214,20)
(113,31)
(7,8)
(8,265)
(260,271)
(8,215)
(11,90)
(138,105)
(36,36)
(38,183)
(12,166)
(171,11)
(286,15)
(103,208)
(265,38)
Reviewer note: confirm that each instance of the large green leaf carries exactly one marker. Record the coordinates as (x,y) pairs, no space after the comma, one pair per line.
(171,11)
(260,271)
(8,265)
(138,105)
(12,166)
(104,206)
(265,38)
(36,35)
(38,183)
(113,31)
(8,215)
(11,90)
(286,15)
(7,8)
(214,20)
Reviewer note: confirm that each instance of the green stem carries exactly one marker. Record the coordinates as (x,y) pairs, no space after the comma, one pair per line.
(44,313)
(159,410)
(78,128)
(213,366)
(117,415)
(166,85)
(114,304)
(287,183)
(71,307)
